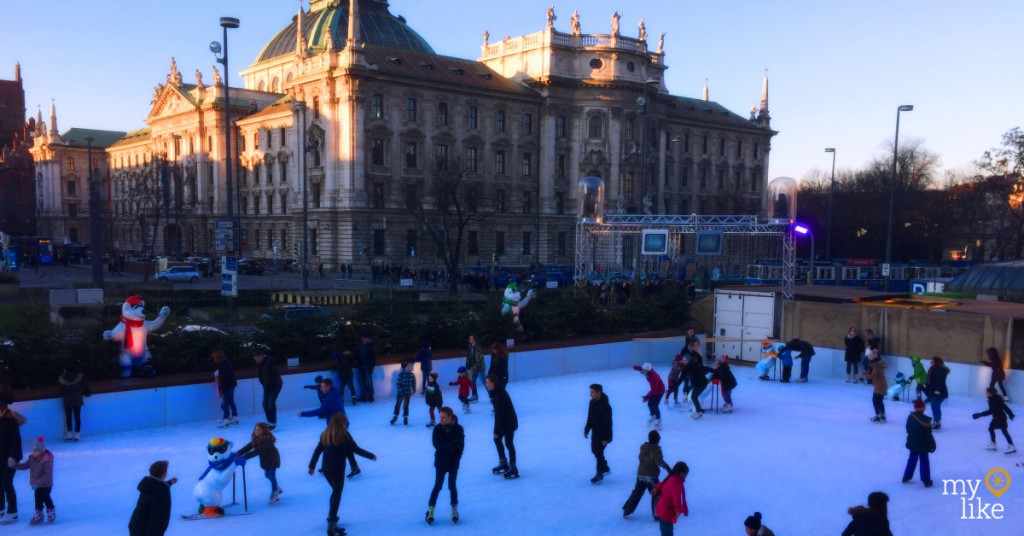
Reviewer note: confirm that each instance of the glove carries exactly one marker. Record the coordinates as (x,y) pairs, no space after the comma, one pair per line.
(644,398)
(10,462)
(240,461)
(976,416)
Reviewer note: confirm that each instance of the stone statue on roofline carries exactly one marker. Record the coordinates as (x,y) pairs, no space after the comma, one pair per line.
(615,23)
(551,16)
(643,30)
(661,43)
(216,77)
(487,37)
(574,22)
(174,77)
(199,79)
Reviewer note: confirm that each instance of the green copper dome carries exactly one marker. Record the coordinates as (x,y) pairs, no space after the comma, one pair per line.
(377,26)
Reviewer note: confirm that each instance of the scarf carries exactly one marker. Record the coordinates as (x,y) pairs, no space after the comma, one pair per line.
(128,324)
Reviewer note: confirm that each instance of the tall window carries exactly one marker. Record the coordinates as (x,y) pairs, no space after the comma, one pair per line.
(281,135)
(594,128)
(627,188)
(270,203)
(559,202)
(314,242)
(284,240)
(410,242)
(410,110)
(703,177)
(527,202)
(739,149)
(442,114)
(721,178)
(499,121)
(270,138)
(380,244)
(472,160)
(284,204)
(270,172)
(739,180)
(629,130)
(471,120)
(72,210)
(686,142)
(527,124)
(560,126)
(499,242)
(472,244)
(377,152)
(721,147)
(757,152)
(704,145)
(316,114)
(284,170)
(411,201)
(501,201)
(526,167)
(684,176)
(411,162)
(71,187)
(526,242)
(70,166)
(499,162)
(257,240)
(378,195)
(562,239)
(441,156)
(377,106)
(256,205)
(560,165)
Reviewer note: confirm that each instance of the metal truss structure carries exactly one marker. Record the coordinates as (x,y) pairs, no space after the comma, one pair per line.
(610,249)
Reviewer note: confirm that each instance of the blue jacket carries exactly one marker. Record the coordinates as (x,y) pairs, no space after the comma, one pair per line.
(331,404)
(405,384)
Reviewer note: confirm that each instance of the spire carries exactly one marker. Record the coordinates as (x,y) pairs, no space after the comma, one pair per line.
(17,71)
(53,118)
(300,38)
(353,24)
(764,92)
(39,121)
(705,97)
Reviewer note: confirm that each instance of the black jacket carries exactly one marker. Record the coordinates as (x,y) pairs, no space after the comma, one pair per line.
(153,510)
(10,437)
(73,388)
(695,371)
(805,348)
(499,366)
(919,433)
(366,356)
(599,419)
(505,420)
(226,375)
(854,349)
(867,522)
(937,382)
(270,457)
(724,376)
(335,456)
(449,441)
(345,364)
(434,397)
(270,377)
(998,409)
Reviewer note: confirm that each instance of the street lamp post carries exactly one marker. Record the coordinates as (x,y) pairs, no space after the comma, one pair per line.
(892,192)
(95,221)
(831,188)
(226,23)
(642,101)
(299,108)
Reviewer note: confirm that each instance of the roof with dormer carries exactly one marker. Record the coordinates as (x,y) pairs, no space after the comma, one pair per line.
(101,139)
(377,26)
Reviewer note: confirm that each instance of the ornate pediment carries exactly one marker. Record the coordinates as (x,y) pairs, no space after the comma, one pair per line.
(171,100)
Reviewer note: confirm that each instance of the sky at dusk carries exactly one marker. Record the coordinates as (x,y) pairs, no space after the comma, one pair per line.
(837,70)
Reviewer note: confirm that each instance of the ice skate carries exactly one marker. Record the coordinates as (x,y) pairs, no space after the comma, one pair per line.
(234,420)
(224,423)
(1006,398)
(274,497)
(431,423)
(474,398)
(465,408)
(597,478)
(430,515)
(991,446)
(801,380)
(763,377)
(355,472)
(727,408)
(9,518)
(697,415)
(455,513)
(512,472)
(502,467)
(405,421)
(67,436)
(394,420)
(650,421)
(51,515)
(878,418)
(37,518)
(74,436)
(936,425)
(1011,450)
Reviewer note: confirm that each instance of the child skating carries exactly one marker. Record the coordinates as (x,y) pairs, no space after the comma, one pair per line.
(405,386)
(433,397)
(40,470)
(465,384)
(675,375)
(654,394)
(998,409)
(262,445)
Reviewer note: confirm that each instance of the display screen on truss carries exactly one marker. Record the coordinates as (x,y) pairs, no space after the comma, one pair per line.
(655,242)
(709,243)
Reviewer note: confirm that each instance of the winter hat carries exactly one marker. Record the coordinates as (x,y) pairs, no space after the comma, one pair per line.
(462,369)
(218,444)
(647,367)
(721,358)
(918,405)
(653,437)
(40,444)
(318,379)
(134,300)
(754,521)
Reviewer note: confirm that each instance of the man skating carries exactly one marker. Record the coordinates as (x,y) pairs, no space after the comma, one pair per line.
(599,421)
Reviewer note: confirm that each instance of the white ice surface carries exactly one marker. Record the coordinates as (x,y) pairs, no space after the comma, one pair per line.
(799,453)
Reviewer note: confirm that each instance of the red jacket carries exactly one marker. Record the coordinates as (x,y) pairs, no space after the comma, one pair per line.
(673,499)
(657,386)
(464,385)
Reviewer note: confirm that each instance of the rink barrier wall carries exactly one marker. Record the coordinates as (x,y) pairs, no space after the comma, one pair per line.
(124,411)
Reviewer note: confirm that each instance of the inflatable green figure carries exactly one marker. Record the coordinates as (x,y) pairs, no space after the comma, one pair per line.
(920,375)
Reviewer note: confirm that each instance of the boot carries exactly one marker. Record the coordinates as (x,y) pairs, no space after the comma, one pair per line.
(355,472)
(8,518)
(849,378)
(67,436)
(405,420)
(727,408)
(991,446)
(51,515)
(501,467)
(465,408)
(274,498)
(455,513)
(474,398)
(512,472)
(878,418)
(430,515)
(599,476)
(224,423)
(37,518)
(234,420)
(74,436)
(394,419)
(1012,449)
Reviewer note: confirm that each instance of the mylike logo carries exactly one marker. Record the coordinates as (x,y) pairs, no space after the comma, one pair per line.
(971,505)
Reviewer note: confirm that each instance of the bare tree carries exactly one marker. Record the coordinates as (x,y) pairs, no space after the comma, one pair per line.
(451,205)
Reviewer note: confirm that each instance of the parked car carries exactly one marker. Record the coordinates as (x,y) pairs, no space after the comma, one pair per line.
(179,274)
(299,312)
(250,267)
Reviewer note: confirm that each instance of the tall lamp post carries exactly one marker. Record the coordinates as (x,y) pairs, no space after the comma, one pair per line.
(831,189)
(299,108)
(642,102)
(226,23)
(892,192)
(95,220)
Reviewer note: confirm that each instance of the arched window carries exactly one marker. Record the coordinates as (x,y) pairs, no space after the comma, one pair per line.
(316,107)
(275,85)
(262,85)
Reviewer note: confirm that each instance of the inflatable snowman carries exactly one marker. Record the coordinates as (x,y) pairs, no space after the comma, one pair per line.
(132,331)
(769,353)
(513,302)
(218,474)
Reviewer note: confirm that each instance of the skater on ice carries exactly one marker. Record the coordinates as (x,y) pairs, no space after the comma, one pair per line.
(270,379)
(226,383)
(920,443)
(722,373)
(131,331)
(656,389)
(40,477)
(10,449)
(806,352)
(675,377)
(475,364)
(754,527)
(995,362)
(599,428)
(872,519)
(405,387)
(854,350)
(877,378)
(72,389)
(920,375)
(671,494)
(998,410)
(505,425)
(152,511)
(336,444)
(262,444)
(647,472)
(449,441)
(694,370)
(938,392)
(434,397)
(464,387)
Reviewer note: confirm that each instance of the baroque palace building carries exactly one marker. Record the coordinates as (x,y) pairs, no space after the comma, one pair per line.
(384,114)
